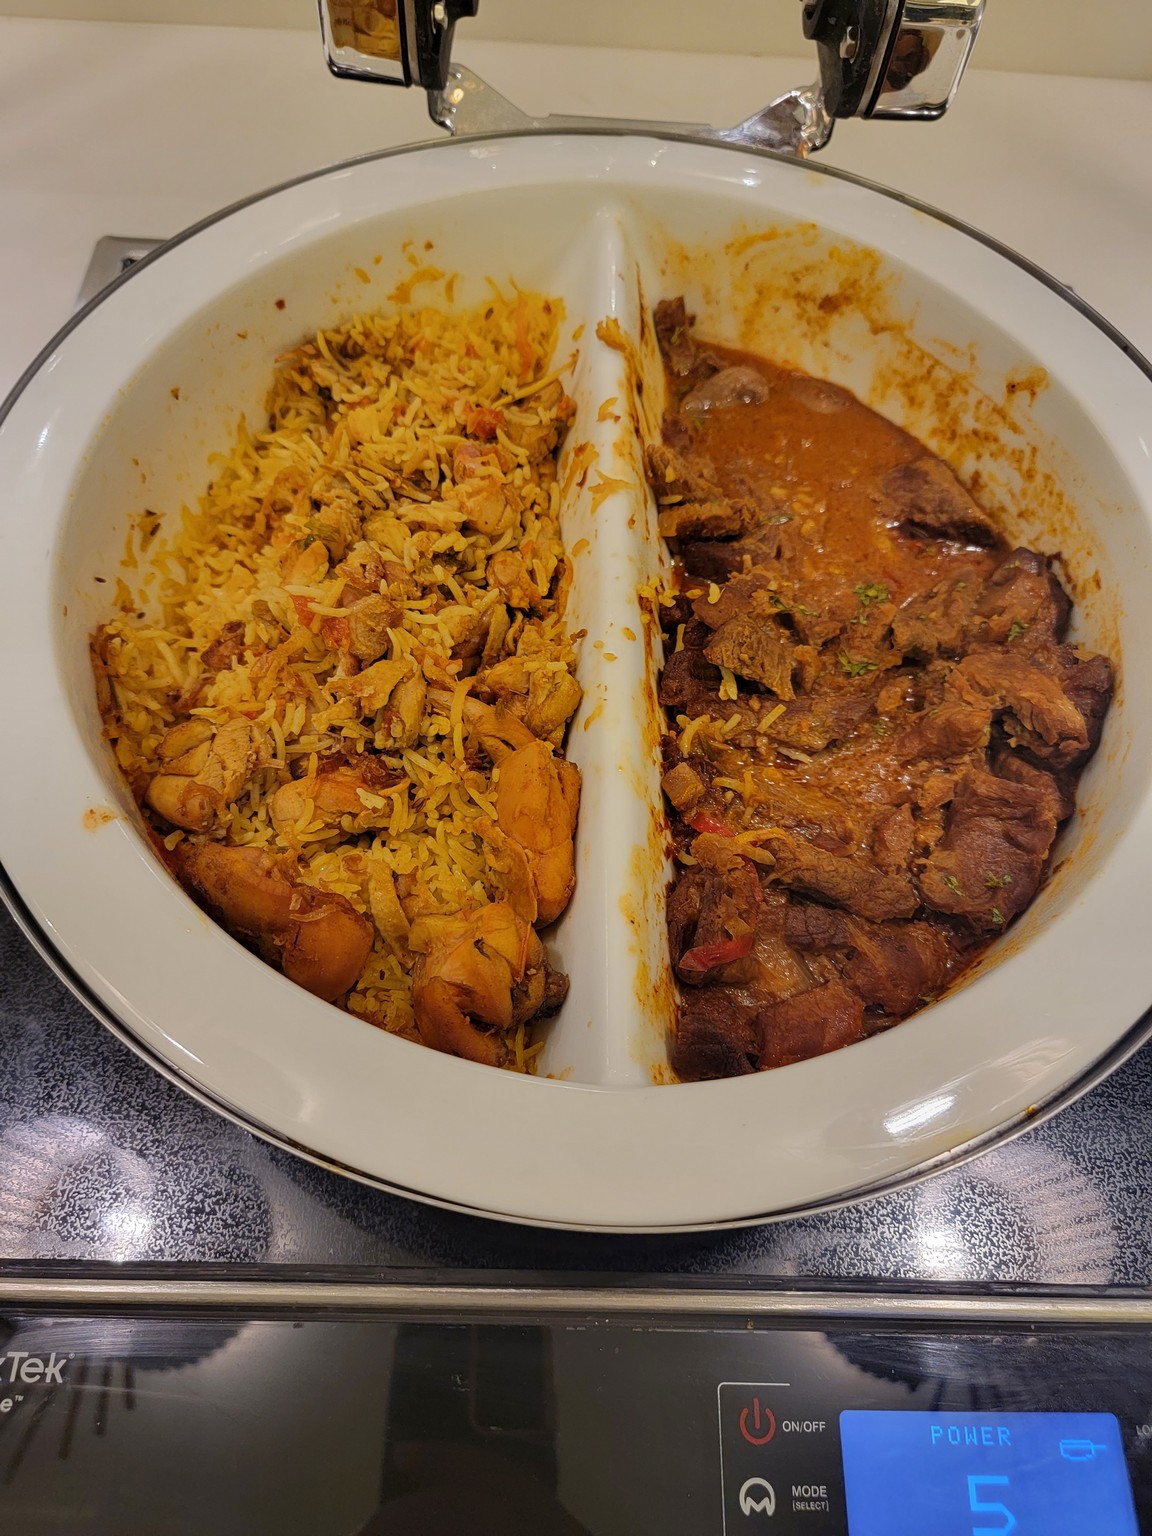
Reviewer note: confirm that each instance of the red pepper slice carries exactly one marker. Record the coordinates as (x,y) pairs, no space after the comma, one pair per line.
(706,957)
(702,822)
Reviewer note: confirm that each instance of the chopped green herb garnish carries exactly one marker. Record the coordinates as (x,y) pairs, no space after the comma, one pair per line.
(1016,630)
(994,882)
(855,668)
(782,607)
(872,592)
(953,884)
(998,917)
(959,586)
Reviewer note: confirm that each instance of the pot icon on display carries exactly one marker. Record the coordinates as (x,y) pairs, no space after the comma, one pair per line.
(757,1497)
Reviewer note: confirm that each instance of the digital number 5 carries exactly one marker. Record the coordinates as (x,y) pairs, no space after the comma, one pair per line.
(979,1506)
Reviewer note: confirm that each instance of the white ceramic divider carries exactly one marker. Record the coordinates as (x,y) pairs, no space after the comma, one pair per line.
(615,1025)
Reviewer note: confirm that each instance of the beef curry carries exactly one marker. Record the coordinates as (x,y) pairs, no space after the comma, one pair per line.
(875,726)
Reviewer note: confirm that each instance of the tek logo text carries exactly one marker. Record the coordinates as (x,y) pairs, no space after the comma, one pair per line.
(18,1365)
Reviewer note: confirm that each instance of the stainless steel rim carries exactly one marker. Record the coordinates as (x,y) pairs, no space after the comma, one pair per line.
(599,1302)
(1125,1047)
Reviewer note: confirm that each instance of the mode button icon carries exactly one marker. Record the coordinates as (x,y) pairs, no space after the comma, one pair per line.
(757,1497)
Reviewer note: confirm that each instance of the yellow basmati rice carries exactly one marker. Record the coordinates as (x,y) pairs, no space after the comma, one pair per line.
(401,452)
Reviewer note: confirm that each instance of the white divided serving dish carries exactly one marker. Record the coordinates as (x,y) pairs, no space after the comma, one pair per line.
(1026,395)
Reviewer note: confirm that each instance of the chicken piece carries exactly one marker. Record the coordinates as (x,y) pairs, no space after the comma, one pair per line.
(369,620)
(508,863)
(537,425)
(283,495)
(337,519)
(186,747)
(508,571)
(479,491)
(226,648)
(325,798)
(506,678)
(495,727)
(469,642)
(205,768)
(499,623)
(363,571)
(373,687)
(316,938)
(306,566)
(327,943)
(248,889)
(479,975)
(537,799)
(387,913)
(553,698)
(400,722)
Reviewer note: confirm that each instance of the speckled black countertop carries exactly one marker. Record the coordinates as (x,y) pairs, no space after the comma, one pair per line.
(103,1159)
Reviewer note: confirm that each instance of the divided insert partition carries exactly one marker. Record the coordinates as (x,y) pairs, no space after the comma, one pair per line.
(615,1027)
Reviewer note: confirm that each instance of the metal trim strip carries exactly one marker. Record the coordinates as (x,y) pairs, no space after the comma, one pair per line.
(607,1303)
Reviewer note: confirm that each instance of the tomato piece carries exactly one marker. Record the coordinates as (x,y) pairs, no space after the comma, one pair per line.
(335,633)
(483,421)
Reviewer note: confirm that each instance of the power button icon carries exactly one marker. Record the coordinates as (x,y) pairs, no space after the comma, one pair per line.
(758,1423)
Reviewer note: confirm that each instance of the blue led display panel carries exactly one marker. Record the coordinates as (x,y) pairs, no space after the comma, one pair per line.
(985,1474)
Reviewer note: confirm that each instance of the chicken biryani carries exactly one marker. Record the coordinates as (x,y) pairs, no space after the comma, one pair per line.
(340,693)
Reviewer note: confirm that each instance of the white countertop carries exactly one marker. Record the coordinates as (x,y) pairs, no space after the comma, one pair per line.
(139,130)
